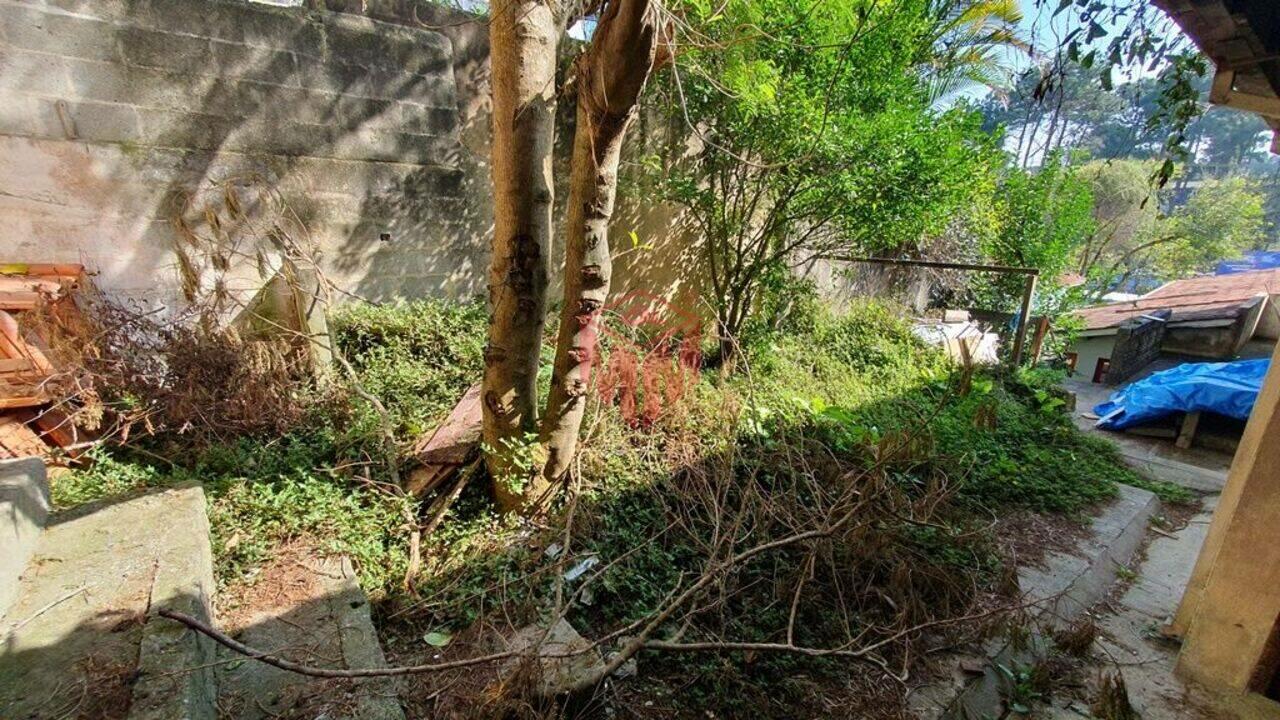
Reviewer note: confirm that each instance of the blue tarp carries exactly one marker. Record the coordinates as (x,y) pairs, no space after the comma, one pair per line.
(1226,388)
(1253,260)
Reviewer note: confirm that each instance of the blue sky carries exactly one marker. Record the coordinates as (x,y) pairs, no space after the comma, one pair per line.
(1047,31)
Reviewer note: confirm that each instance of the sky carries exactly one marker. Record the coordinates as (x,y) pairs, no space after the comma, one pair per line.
(1046,32)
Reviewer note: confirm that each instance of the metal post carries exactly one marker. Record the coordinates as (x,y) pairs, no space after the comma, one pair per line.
(1024,318)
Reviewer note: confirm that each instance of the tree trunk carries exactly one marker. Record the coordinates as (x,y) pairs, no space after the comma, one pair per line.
(611,76)
(523,37)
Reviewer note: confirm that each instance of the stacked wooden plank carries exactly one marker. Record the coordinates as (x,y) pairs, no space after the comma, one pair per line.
(29,420)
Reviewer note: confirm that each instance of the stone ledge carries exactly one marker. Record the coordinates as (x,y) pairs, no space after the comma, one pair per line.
(183,581)
(24,509)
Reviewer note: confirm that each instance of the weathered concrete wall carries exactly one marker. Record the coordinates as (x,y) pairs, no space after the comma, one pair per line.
(117,116)
(123,123)
(1088,350)
(1137,344)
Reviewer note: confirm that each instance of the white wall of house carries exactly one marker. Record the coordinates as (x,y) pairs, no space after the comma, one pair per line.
(1088,350)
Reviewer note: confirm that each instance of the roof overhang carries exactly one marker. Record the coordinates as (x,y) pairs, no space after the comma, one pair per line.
(1242,37)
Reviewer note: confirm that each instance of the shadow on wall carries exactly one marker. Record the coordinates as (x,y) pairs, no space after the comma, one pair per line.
(395,238)
(122,117)
(128,121)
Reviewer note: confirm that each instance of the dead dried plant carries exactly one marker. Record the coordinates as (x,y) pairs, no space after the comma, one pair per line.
(1077,639)
(126,371)
(1112,702)
(216,367)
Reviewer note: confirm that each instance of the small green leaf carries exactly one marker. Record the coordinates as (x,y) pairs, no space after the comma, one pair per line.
(635,239)
(437,638)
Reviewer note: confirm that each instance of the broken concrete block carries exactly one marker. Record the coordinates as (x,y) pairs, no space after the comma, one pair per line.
(564,657)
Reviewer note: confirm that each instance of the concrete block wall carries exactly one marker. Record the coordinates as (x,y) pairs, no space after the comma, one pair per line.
(1137,344)
(122,122)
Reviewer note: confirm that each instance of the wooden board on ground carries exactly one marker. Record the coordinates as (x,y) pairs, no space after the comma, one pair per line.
(1187,433)
(449,446)
(37,302)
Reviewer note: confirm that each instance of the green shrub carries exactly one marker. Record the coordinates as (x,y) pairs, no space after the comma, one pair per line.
(418,358)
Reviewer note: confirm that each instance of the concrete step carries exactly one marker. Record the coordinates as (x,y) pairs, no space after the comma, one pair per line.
(1062,588)
(80,638)
(24,509)
(310,610)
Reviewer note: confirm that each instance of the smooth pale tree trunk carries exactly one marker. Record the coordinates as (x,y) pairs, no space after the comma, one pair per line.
(611,75)
(523,38)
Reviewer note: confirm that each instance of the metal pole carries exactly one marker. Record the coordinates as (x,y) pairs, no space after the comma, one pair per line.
(972,267)
(1024,318)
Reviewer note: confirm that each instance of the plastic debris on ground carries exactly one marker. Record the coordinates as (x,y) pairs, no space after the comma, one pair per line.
(583,565)
(1226,388)
(982,346)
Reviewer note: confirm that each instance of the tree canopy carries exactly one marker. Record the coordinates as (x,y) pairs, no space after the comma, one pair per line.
(817,136)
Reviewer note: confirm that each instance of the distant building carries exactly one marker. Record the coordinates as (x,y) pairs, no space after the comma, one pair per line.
(1214,317)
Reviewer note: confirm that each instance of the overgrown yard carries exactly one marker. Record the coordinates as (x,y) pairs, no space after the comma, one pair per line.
(835,497)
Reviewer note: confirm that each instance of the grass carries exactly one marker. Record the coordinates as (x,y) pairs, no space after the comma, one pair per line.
(849,384)
(317,480)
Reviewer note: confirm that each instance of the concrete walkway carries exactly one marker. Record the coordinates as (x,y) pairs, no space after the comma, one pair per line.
(310,610)
(1130,639)
(81,638)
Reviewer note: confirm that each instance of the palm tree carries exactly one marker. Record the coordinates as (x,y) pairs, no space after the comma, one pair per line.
(967,45)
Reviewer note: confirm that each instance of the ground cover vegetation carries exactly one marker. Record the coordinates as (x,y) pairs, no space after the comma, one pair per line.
(812,490)
(837,413)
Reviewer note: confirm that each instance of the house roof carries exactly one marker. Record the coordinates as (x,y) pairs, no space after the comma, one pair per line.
(1243,39)
(1211,297)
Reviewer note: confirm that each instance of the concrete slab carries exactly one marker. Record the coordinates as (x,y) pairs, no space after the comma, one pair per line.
(1130,641)
(1063,587)
(72,638)
(559,669)
(1075,581)
(175,676)
(310,610)
(24,507)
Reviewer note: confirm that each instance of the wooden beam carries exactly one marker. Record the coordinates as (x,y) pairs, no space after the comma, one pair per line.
(935,264)
(15,365)
(1037,340)
(1024,319)
(1223,82)
(1223,93)
(1190,422)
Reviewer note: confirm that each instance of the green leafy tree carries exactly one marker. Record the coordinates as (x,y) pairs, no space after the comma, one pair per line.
(1125,210)
(816,140)
(1222,219)
(1045,217)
